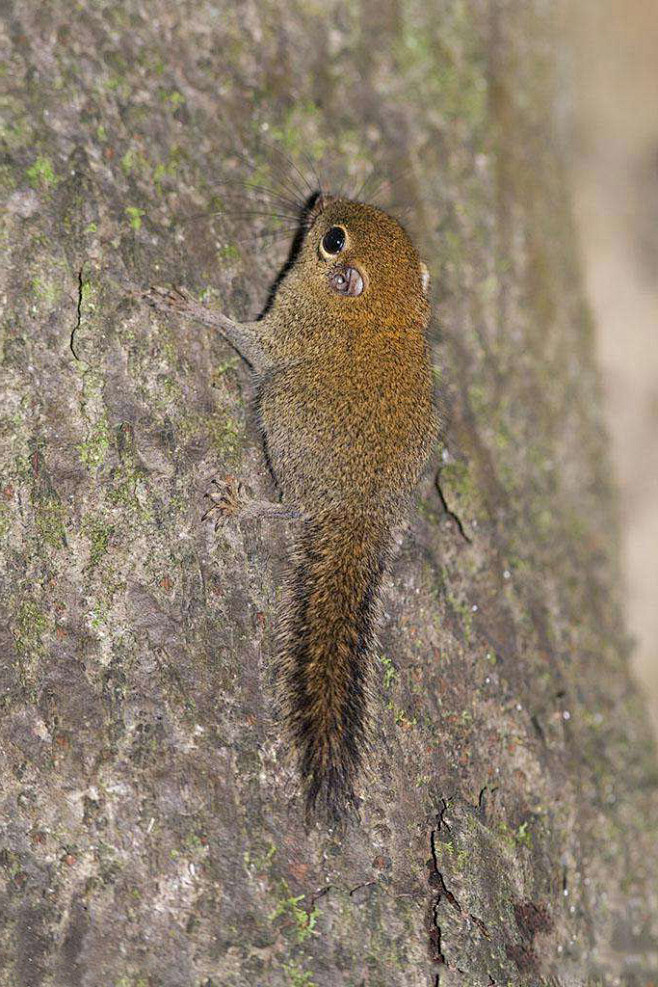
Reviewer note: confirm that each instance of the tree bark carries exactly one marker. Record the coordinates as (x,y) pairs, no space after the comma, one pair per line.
(152,834)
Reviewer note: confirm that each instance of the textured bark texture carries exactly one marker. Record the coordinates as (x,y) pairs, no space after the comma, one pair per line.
(152,834)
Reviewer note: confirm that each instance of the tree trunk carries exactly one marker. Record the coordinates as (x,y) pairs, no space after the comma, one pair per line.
(152,833)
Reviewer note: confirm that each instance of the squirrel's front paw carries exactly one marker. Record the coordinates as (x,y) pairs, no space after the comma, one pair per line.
(167,299)
(227,499)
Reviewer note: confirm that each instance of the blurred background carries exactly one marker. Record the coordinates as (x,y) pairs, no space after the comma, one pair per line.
(614,65)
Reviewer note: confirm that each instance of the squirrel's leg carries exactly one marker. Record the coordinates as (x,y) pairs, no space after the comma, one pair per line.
(241,336)
(230,501)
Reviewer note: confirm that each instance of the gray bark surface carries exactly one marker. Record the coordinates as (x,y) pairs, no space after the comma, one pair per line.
(151,831)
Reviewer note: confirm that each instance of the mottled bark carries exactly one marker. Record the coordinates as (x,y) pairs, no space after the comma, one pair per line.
(151,831)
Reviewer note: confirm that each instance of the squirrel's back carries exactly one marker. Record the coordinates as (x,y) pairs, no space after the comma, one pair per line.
(347,417)
(365,415)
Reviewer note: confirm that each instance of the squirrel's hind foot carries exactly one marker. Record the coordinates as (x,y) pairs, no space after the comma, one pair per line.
(231,500)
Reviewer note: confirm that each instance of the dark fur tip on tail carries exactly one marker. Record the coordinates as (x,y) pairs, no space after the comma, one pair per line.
(326,660)
(330,798)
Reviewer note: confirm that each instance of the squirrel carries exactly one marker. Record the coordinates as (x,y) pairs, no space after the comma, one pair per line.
(344,404)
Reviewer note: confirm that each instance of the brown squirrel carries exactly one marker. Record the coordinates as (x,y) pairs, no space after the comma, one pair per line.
(344,396)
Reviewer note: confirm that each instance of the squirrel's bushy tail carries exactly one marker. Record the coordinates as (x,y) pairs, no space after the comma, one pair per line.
(328,633)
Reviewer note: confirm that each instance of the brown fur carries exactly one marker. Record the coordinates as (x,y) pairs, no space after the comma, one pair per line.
(345,408)
(347,418)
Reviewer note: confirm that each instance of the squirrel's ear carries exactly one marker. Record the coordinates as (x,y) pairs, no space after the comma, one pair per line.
(425,278)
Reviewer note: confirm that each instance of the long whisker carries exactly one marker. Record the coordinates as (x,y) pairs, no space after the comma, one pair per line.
(232,214)
(396,181)
(342,188)
(289,186)
(269,214)
(293,203)
(374,184)
(284,177)
(269,234)
(288,160)
(364,185)
(286,184)
(309,161)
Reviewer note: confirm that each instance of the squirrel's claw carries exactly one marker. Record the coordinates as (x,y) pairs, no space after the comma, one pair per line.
(166,299)
(227,501)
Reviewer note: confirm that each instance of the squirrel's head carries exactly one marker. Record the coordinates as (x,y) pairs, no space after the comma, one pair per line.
(356,263)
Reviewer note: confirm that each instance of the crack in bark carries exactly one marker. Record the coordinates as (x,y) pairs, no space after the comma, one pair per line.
(483,801)
(451,514)
(366,884)
(436,881)
(78,319)
(440,819)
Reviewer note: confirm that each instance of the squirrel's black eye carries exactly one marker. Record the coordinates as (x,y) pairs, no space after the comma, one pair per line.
(334,240)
